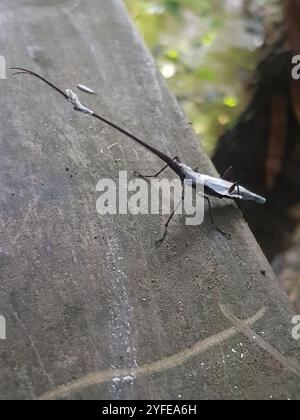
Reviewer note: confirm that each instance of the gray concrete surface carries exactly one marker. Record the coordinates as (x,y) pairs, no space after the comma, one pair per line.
(93,309)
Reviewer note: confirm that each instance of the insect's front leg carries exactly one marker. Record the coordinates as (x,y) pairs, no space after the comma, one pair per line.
(139,175)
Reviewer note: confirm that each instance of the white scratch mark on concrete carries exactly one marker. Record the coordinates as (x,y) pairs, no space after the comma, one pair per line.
(112,145)
(164,364)
(290,364)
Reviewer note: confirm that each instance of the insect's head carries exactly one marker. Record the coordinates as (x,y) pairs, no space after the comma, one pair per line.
(73,98)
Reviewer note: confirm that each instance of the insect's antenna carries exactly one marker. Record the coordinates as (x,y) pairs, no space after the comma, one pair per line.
(21,70)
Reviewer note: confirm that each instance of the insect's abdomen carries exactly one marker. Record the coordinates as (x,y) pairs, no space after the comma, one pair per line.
(248,195)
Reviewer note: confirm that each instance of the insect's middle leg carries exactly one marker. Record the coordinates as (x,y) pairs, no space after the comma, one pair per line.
(228,235)
(137,174)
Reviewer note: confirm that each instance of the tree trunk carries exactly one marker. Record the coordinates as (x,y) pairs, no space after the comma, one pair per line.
(264,146)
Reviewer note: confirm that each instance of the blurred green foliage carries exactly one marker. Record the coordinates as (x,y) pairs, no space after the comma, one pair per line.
(206,49)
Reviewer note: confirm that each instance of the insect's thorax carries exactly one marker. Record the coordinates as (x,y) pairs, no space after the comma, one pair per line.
(190,174)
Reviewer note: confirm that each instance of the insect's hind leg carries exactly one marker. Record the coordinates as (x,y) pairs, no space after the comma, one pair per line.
(237,200)
(238,203)
(228,174)
(137,174)
(228,235)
